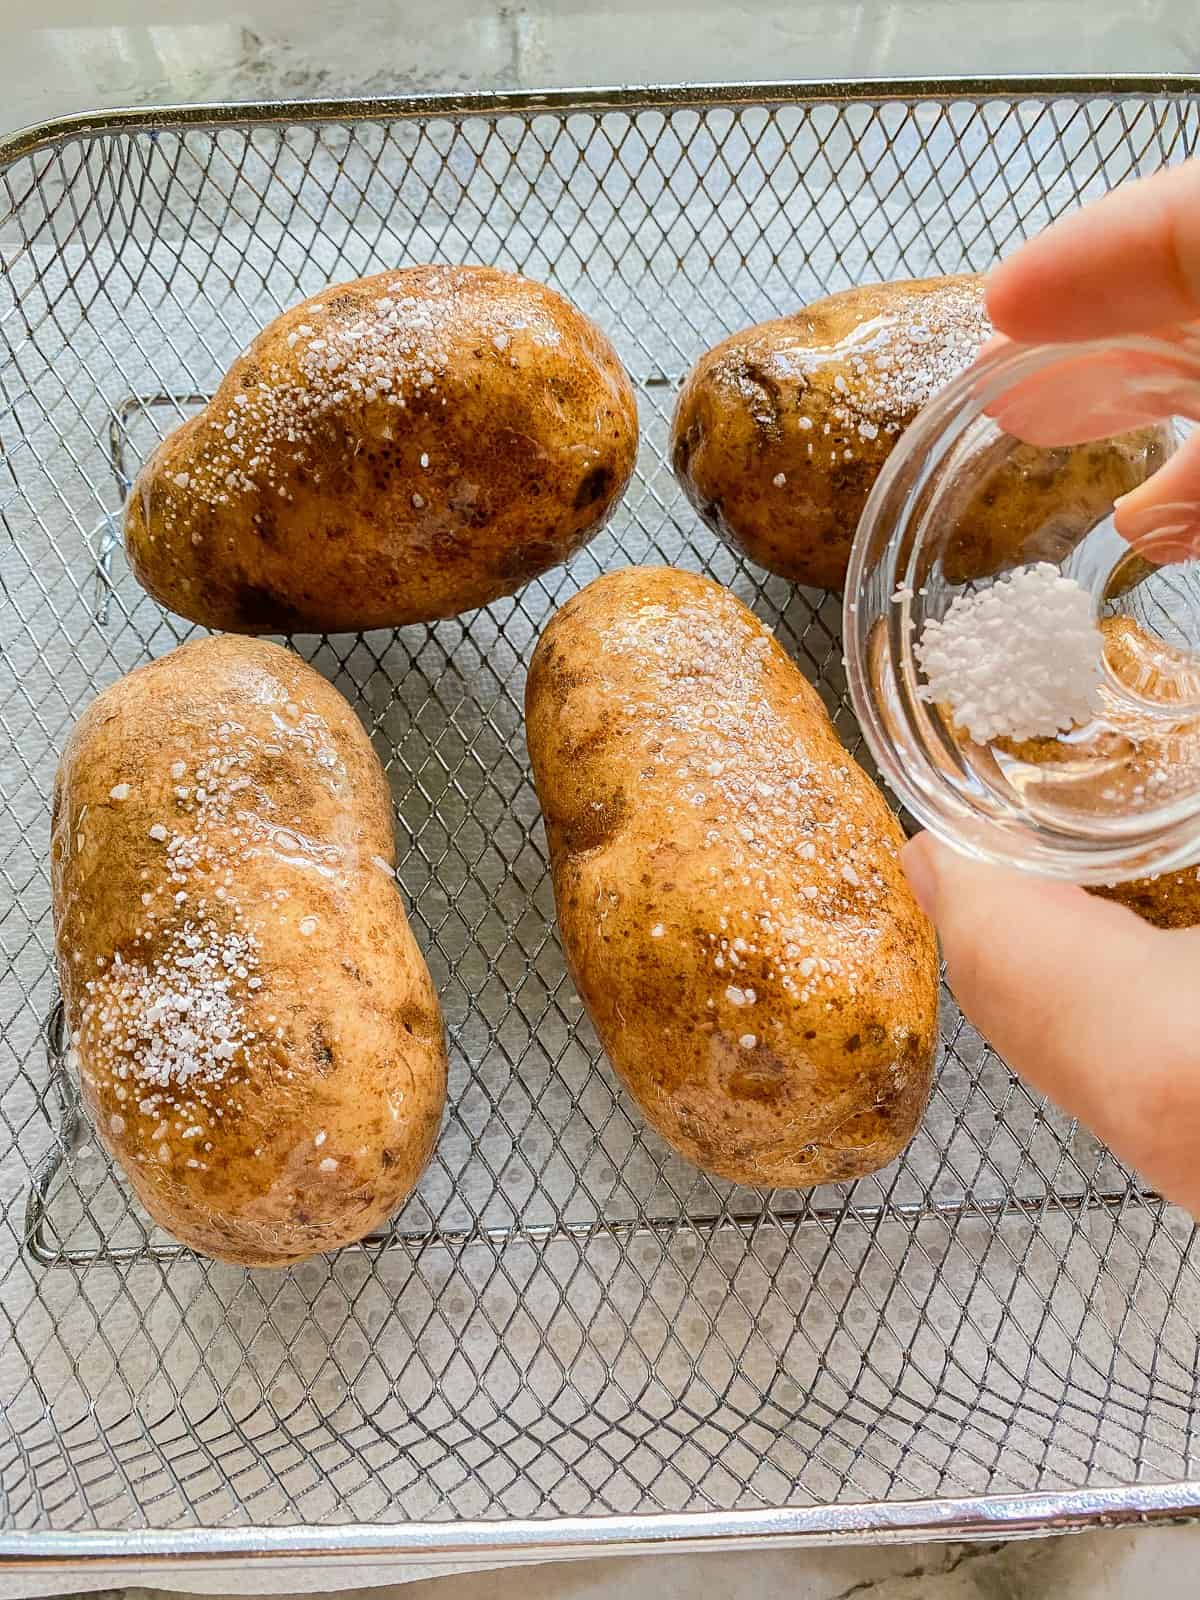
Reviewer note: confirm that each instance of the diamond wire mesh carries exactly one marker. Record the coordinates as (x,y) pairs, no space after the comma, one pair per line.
(565,1318)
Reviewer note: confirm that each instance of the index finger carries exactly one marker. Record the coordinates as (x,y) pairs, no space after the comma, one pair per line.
(1129,263)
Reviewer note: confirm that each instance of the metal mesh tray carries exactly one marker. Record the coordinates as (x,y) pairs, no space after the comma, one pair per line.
(566,1322)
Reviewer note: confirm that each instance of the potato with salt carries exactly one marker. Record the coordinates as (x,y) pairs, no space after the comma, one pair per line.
(401,448)
(254,1028)
(1148,754)
(729,894)
(781,430)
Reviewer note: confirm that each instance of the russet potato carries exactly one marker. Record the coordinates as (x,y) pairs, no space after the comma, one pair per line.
(401,448)
(254,1028)
(781,431)
(729,896)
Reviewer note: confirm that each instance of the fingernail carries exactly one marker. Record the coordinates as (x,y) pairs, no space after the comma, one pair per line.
(919,860)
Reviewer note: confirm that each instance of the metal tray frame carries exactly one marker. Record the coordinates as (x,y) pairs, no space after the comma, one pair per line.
(1101,1187)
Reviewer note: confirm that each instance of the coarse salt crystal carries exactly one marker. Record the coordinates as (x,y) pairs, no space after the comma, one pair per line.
(657,931)
(158,832)
(1021,660)
(119,791)
(327,1165)
(748,1041)
(779,479)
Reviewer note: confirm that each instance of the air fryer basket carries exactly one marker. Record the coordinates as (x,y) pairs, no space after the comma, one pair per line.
(568,1328)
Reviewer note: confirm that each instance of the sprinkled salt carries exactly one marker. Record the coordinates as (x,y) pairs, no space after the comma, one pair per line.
(748,1041)
(158,832)
(119,791)
(424,459)
(901,361)
(320,1138)
(779,479)
(1021,660)
(308,926)
(328,1165)
(178,768)
(418,501)
(657,931)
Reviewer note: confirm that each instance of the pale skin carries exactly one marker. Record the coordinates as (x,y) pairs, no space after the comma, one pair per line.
(1090,1004)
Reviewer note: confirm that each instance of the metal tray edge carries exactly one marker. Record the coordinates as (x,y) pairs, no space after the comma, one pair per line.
(648,97)
(987,1517)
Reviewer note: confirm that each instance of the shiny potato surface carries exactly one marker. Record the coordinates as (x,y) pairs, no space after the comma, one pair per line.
(728,891)
(781,431)
(401,448)
(255,1031)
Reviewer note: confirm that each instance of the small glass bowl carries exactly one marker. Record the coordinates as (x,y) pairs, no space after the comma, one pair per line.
(1036,455)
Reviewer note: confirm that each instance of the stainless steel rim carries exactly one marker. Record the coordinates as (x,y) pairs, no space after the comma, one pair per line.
(526,102)
(565,1538)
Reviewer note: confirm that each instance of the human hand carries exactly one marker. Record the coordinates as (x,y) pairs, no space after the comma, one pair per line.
(1093,1006)
(1128,264)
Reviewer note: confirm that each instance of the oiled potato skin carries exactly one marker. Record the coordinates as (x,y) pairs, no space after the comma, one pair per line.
(223,806)
(404,447)
(781,431)
(729,896)
(1170,900)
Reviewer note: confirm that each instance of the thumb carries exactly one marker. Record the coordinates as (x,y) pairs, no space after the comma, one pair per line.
(1091,1005)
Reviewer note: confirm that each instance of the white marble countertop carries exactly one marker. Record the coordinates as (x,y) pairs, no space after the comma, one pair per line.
(75,54)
